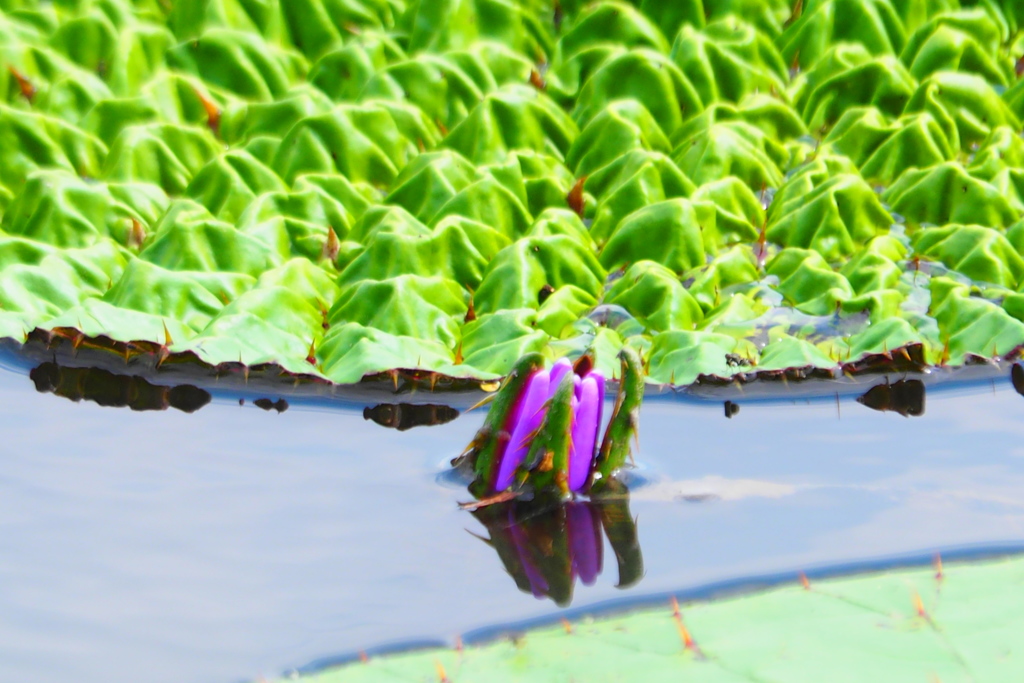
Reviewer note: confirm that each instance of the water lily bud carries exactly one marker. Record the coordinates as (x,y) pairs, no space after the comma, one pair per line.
(525,423)
(586,423)
(561,367)
(491,441)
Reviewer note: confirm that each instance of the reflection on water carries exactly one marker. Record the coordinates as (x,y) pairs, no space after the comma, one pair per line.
(403,416)
(108,389)
(1017,378)
(905,397)
(545,548)
(731,409)
(280,405)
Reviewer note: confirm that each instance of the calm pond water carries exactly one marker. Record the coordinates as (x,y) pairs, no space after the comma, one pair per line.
(236,542)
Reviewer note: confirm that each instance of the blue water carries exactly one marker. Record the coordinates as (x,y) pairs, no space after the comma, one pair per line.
(234,542)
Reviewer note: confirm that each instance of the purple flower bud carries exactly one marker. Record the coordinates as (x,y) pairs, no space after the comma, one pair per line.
(530,411)
(525,421)
(558,371)
(586,423)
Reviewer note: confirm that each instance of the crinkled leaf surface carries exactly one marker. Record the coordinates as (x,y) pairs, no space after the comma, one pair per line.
(350,187)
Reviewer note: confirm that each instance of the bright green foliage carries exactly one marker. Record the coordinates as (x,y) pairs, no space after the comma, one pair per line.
(732,268)
(631,182)
(947,193)
(727,60)
(964,104)
(970,326)
(981,254)
(350,187)
(883,149)
(681,357)
(668,232)
(837,216)
(847,628)
(655,296)
(966,40)
(807,281)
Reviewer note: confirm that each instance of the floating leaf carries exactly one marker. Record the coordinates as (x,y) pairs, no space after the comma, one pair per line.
(970,326)
(635,180)
(414,306)
(731,148)
(668,232)
(494,342)
(980,253)
(964,105)
(967,40)
(837,216)
(680,357)
(806,280)
(947,193)
(519,272)
(654,295)
(874,24)
(646,76)
(728,59)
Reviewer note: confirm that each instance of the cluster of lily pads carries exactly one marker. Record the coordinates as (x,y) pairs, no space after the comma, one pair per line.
(340,188)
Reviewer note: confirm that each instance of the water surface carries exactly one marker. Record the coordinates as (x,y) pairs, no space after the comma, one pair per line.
(235,542)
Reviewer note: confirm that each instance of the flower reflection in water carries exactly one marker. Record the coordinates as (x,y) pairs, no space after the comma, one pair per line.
(545,547)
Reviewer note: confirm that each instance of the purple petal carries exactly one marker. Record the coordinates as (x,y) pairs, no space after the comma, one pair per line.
(558,371)
(526,421)
(586,422)
(596,374)
(585,544)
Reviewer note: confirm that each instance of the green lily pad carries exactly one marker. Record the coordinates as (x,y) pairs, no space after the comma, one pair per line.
(519,273)
(980,253)
(807,281)
(635,180)
(727,60)
(646,76)
(836,217)
(656,297)
(874,24)
(622,126)
(970,326)
(964,104)
(427,308)
(494,342)
(668,232)
(732,148)
(946,193)
(350,187)
(680,357)
(968,40)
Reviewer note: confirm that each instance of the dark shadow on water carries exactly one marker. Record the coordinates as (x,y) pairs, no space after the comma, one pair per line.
(545,548)
(403,416)
(120,391)
(114,390)
(1017,378)
(905,397)
(280,405)
(417,388)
